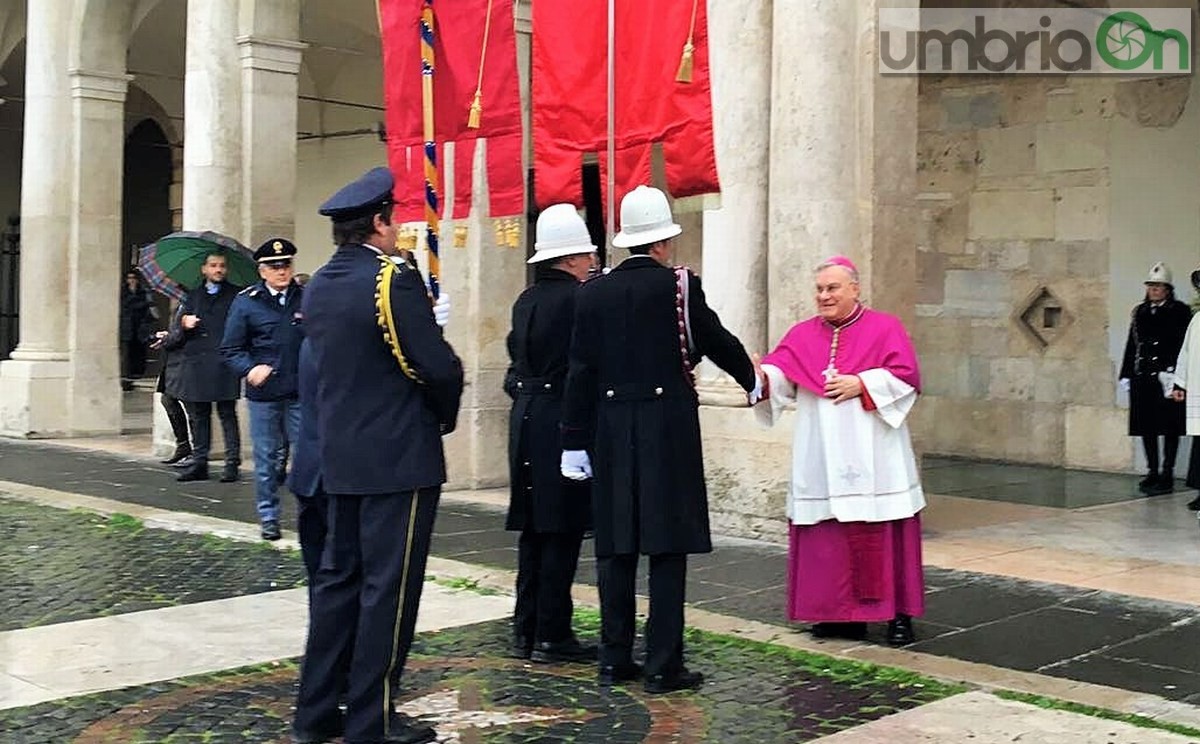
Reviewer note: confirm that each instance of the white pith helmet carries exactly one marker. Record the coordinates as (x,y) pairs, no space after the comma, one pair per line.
(645,218)
(1160,273)
(560,232)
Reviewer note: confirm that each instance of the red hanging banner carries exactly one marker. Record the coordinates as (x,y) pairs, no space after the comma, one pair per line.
(459,51)
(570,56)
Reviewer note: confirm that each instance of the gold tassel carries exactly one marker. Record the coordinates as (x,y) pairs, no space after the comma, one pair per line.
(685,64)
(460,236)
(513,233)
(476,111)
(501,238)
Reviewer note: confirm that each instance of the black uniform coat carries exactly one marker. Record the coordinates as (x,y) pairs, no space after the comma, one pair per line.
(202,376)
(629,401)
(261,331)
(1155,337)
(541,499)
(304,477)
(380,432)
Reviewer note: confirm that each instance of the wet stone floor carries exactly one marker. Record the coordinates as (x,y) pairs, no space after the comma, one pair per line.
(58,566)
(461,682)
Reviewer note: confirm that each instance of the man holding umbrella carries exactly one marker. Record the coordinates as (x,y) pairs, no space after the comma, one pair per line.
(203,378)
(262,344)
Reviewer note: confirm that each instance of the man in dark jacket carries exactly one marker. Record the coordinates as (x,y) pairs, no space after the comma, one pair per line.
(388,388)
(550,512)
(631,400)
(203,378)
(262,344)
(305,478)
(134,328)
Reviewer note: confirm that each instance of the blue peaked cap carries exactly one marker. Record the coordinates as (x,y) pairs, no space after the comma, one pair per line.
(360,197)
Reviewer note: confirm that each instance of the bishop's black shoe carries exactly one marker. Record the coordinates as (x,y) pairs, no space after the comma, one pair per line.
(615,674)
(683,679)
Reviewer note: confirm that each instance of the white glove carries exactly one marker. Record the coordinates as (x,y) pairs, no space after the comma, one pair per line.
(755,395)
(1124,383)
(576,465)
(441,309)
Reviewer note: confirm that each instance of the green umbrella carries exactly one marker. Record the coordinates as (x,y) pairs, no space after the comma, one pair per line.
(179,256)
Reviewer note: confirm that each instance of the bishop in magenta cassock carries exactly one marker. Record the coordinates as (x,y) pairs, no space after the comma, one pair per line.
(855,533)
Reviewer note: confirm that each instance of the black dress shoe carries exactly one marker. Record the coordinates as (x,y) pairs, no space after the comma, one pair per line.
(846,631)
(270,530)
(900,631)
(229,474)
(615,674)
(659,684)
(1194,504)
(1148,481)
(197,472)
(181,452)
(1163,485)
(405,730)
(564,652)
(300,736)
(521,647)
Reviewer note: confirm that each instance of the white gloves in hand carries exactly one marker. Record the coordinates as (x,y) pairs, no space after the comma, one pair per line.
(441,309)
(755,395)
(1124,383)
(576,465)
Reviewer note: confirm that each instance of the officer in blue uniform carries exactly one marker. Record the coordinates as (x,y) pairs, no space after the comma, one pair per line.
(388,387)
(262,344)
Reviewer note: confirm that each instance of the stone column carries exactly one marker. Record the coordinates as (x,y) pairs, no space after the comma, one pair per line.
(735,236)
(843,160)
(212,140)
(483,280)
(270,84)
(31,394)
(98,108)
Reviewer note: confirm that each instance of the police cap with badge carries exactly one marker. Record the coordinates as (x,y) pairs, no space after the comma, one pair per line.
(364,197)
(275,251)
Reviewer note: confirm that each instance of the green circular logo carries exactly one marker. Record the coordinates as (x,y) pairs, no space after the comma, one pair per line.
(1125,40)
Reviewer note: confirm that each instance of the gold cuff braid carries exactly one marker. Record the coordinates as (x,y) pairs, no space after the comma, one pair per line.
(383,315)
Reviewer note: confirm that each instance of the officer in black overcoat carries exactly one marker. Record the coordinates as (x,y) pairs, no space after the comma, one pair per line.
(1156,330)
(388,387)
(631,402)
(550,512)
(203,379)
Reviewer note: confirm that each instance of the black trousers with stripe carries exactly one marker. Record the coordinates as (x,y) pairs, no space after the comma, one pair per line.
(364,610)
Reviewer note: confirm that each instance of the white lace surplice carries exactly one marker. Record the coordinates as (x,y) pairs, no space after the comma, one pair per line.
(849,464)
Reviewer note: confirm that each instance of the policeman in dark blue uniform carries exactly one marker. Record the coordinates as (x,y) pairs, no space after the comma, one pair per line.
(262,344)
(388,388)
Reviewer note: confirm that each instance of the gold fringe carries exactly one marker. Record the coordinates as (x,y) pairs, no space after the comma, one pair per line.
(460,236)
(383,315)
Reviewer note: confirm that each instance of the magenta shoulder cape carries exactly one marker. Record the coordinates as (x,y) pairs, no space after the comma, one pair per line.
(874,341)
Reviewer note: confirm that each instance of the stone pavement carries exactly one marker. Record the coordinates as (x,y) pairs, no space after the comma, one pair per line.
(1068,632)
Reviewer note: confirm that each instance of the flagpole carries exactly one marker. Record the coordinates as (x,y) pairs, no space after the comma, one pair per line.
(611,185)
(431,172)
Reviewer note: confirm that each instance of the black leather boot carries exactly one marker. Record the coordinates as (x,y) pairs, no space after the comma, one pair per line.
(197,472)
(181,451)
